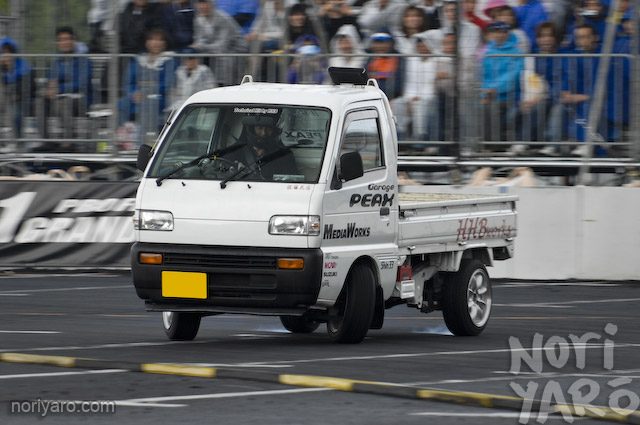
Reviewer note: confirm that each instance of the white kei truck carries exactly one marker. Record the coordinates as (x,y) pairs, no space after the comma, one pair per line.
(283,200)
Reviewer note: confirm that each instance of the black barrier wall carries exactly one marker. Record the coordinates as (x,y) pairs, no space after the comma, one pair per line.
(66,224)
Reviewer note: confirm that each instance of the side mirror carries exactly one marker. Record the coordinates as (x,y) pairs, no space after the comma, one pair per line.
(144,156)
(351,166)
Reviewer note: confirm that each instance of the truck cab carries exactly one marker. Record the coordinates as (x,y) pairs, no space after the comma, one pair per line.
(283,200)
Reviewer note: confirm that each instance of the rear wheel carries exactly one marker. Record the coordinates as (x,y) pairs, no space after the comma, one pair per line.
(299,325)
(466,299)
(181,326)
(354,308)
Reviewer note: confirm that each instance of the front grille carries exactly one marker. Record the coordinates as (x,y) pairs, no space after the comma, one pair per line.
(221,261)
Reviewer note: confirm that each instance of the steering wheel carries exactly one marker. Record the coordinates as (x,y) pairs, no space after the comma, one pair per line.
(213,167)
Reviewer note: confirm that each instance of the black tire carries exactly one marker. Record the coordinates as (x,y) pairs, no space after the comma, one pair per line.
(355,307)
(299,325)
(456,307)
(180,326)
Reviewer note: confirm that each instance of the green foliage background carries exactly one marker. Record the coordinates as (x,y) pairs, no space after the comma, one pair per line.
(41,17)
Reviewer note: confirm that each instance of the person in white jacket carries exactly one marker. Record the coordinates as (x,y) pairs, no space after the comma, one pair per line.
(419,92)
(191,77)
(267,31)
(347,42)
(216,32)
(378,15)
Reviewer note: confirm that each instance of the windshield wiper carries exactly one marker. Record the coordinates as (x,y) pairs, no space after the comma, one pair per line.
(256,165)
(196,160)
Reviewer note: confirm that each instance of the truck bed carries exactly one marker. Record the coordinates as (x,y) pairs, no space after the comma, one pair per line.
(441,222)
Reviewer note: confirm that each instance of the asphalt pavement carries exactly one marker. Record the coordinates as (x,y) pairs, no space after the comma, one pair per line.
(571,341)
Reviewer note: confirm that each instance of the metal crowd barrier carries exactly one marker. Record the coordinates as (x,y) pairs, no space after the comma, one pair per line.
(442,107)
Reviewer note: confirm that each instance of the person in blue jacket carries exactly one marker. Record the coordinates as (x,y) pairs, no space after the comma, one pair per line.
(619,81)
(178,18)
(590,12)
(530,14)
(148,81)
(541,119)
(69,91)
(500,90)
(580,75)
(244,12)
(18,83)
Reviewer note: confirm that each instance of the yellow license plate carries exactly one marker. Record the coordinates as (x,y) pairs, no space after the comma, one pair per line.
(184,285)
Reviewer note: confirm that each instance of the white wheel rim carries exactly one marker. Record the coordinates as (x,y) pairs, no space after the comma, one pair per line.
(167,317)
(479,298)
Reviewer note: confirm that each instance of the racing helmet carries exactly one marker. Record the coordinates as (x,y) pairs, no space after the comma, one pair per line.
(264,120)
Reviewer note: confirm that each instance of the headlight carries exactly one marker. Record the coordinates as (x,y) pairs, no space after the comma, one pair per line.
(153,220)
(302,225)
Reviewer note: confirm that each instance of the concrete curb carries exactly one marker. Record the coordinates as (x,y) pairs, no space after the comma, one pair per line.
(340,384)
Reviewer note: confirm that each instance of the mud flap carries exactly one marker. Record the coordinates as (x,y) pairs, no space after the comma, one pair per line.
(378,314)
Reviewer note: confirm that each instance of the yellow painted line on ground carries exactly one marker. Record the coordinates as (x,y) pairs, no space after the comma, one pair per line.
(60,361)
(482,399)
(595,412)
(340,384)
(179,370)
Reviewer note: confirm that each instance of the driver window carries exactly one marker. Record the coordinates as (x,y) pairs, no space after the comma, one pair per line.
(363,136)
(194,136)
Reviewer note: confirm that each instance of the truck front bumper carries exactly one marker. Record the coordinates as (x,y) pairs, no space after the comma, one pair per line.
(239,279)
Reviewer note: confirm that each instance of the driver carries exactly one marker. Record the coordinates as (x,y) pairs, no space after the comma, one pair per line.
(261,135)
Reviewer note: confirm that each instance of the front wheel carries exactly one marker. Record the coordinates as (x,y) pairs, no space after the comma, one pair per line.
(181,326)
(299,325)
(466,299)
(354,308)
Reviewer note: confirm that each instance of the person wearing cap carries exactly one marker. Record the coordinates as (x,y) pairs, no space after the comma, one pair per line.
(501,11)
(191,77)
(501,84)
(307,67)
(260,138)
(387,70)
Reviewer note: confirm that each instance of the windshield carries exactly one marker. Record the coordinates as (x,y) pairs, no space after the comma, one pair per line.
(272,143)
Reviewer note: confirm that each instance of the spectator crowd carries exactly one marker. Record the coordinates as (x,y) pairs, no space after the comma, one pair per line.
(434,65)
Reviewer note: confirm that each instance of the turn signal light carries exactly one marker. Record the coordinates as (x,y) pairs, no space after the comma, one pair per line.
(291,263)
(149,258)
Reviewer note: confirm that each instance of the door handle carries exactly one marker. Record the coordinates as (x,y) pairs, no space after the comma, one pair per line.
(384,211)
